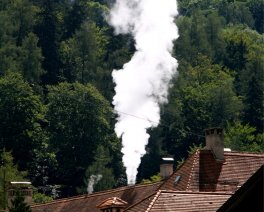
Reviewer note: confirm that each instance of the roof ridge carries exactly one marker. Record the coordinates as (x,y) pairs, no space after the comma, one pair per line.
(153,201)
(197,192)
(245,154)
(83,196)
(249,154)
(195,158)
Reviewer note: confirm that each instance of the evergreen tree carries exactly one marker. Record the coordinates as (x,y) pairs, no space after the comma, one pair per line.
(254,104)
(257,7)
(47,29)
(83,53)
(31,59)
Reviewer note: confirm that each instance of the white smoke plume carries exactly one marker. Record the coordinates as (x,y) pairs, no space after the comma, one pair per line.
(142,84)
(93,180)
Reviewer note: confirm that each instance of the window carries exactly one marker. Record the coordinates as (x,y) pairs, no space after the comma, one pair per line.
(177,179)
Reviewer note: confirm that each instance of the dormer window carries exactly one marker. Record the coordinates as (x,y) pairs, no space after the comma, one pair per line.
(113,204)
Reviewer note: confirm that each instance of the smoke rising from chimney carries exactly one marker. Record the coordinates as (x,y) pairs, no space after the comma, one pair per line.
(93,180)
(142,84)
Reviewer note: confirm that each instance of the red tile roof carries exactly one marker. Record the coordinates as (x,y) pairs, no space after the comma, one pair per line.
(183,201)
(249,197)
(184,172)
(144,204)
(201,172)
(87,203)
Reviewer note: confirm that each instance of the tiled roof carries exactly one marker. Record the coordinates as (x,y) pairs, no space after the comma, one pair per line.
(182,201)
(249,197)
(87,203)
(201,172)
(184,171)
(144,204)
(200,175)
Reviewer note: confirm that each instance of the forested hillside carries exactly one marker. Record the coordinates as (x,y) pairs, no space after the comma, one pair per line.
(57,120)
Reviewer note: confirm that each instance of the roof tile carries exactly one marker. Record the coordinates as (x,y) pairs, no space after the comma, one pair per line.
(184,201)
(201,172)
(202,178)
(87,203)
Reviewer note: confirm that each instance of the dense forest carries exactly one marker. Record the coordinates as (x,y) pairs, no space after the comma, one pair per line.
(57,120)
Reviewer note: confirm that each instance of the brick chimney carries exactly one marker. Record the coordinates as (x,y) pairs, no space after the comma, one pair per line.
(166,167)
(214,138)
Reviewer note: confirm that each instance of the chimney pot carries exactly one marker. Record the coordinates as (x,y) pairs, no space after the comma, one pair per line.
(215,142)
(166,167)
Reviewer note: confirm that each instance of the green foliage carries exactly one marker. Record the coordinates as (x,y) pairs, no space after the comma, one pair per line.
(79,122)
(39,198)
(153,179)
(257,7)
(101,166)
(245,56)
(48,31)
(31,59)
(9,169)
(43,168)
(16,23)
(83,53)
(241,137)
(220,83)
(209,99)
(23,15)
(20,113)
(204,97)
(254,103)
(220,64)
(194,148)
(179,163)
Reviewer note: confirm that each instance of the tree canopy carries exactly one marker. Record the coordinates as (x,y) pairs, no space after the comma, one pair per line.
(56,89)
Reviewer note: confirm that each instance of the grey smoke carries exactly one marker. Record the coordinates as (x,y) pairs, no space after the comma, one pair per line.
(93,180)
(142,85)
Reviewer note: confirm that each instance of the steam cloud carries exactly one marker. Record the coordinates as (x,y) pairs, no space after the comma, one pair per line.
(93,180)
(142,84)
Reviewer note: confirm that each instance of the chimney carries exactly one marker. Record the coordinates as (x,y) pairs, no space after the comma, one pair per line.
(166,167)
(24,188)
(214,138)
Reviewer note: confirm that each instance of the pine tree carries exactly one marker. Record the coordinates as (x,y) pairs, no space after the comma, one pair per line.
(254,104)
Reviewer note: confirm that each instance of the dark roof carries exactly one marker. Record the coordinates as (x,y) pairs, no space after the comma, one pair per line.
(201,172)
(182,201)
(85,203)
(249,197)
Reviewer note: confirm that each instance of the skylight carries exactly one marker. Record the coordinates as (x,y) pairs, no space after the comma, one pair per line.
(177,179)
